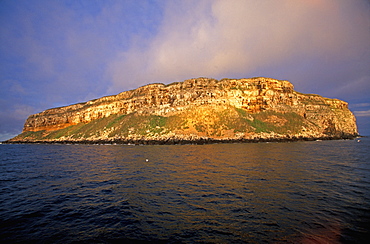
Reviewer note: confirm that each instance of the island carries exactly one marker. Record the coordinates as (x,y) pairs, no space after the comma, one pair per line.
(199,110)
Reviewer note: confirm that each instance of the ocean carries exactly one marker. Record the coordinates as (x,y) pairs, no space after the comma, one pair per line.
(297,192)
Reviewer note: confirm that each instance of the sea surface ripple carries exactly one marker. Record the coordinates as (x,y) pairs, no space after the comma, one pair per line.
(301,192)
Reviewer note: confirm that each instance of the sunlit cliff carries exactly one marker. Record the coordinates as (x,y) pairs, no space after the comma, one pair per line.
(197,109)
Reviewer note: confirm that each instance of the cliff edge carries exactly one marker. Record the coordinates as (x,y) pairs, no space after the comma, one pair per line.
(196,109)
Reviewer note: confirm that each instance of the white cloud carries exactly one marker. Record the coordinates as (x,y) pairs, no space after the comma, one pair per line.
(237,37)
(7,136)
(21,111)
(352,87)
(13,86)
(365,113)
(360,105)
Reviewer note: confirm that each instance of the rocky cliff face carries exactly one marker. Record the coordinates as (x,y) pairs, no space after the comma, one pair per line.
(198,108)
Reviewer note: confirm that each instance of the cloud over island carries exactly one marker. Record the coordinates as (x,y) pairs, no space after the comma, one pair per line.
(242,38)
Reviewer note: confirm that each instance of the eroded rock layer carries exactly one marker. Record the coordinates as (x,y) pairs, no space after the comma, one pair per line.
(198,108)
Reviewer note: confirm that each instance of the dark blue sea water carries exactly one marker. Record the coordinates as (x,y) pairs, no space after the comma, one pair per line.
(301,192)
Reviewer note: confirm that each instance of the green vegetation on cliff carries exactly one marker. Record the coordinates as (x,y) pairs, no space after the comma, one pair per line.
(219,123)
(197,109)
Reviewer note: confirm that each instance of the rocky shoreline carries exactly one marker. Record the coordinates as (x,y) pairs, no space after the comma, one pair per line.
(176,141)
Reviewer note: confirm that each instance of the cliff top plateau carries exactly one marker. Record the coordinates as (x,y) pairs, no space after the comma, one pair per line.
(196,110)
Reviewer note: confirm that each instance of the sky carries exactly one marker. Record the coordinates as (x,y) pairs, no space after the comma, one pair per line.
(56,53)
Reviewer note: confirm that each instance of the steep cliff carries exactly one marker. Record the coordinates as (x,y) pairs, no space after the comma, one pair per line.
(197,109)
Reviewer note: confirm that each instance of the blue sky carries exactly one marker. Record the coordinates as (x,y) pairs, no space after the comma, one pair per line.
(56,53)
